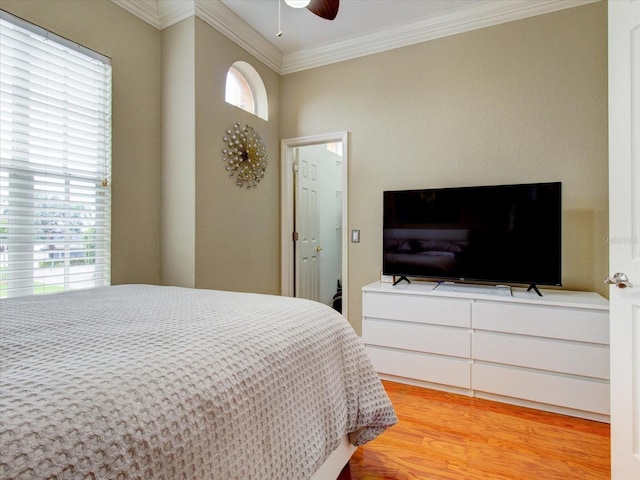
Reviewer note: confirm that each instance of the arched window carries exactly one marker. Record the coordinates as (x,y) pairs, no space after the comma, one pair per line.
(245,90)
(238,91)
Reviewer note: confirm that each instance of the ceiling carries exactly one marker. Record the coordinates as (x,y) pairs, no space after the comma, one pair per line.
(302,30)
(362,27)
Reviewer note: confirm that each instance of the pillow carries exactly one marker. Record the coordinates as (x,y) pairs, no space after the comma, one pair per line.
(402,246)
(439,246)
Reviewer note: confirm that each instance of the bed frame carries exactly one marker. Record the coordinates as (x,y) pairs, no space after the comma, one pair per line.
(335,464)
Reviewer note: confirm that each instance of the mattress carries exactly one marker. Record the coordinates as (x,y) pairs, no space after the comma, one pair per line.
(149,382)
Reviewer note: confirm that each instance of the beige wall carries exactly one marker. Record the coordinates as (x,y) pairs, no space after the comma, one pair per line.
(134,48)
(215,234)
(178,189)
(520,102)
(237,230)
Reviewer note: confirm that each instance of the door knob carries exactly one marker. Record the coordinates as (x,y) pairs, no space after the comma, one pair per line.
(620,280)
(318,248)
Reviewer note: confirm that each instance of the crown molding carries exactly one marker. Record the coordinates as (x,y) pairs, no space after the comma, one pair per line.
(164,13)
(481,15)
(158,13)
(173,11)
(145,9)
(222,18)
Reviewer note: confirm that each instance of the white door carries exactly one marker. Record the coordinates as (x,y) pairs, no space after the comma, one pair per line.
(307,221)
(624,235)
(288,188)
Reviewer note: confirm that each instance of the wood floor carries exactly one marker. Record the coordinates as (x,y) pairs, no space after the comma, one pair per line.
(447,436)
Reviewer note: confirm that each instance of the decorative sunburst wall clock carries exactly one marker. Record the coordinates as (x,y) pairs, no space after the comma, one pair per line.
(245,155)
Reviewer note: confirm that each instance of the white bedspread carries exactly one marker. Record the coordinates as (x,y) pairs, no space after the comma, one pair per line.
(147,382)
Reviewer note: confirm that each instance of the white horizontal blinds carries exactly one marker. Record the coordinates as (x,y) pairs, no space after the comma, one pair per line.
(55,161)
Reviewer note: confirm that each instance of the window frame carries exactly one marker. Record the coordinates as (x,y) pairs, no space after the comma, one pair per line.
(238,91)
(55,163)
(256,86)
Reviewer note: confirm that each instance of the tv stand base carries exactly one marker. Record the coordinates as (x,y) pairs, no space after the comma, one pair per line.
(401,278)
(534,288)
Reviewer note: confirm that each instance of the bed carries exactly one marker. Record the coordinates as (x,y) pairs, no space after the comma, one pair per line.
(150,382)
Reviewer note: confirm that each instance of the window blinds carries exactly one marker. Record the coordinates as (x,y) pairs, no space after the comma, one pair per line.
(55,162)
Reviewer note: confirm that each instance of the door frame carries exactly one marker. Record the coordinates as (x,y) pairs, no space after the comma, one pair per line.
(287,196)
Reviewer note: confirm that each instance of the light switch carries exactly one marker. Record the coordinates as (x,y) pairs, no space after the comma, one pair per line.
(355,236)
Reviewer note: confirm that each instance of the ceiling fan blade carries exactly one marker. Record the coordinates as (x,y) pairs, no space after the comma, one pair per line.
(324,8)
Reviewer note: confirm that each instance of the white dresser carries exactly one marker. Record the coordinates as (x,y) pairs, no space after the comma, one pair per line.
(549,352)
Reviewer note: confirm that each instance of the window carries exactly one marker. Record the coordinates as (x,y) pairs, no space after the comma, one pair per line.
(55,162)
(335,147)
(238,92)
(245,90)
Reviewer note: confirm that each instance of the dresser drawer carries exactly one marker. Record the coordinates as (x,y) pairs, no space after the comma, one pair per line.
(417,308)
(575,393)
(419,366)
(452,341)
(579,324)
(585,359)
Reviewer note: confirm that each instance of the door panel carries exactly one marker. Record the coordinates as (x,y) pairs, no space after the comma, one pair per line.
(319,223)
(307,227)
(624,235)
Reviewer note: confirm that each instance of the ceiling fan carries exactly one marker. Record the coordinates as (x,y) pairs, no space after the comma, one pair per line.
(327,9)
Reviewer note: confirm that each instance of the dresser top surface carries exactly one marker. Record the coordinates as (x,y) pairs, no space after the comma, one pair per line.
(550,297)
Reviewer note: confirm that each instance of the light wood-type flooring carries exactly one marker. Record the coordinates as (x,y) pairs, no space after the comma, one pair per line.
(446,436)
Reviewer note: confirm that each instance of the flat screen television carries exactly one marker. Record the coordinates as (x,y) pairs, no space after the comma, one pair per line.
(498,234)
